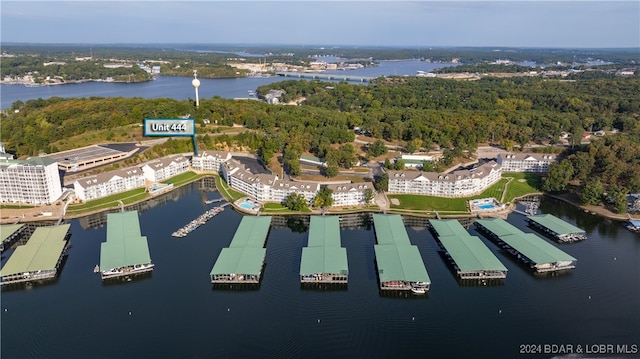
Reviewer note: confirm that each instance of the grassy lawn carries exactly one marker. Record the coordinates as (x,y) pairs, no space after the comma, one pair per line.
(15,206)
(226,191)
(184,178)
(277,208)
(128,197)
(522,184)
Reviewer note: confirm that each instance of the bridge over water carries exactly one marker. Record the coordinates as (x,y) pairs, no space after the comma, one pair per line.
(324,76)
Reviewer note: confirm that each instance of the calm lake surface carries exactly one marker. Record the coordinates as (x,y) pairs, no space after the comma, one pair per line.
(180,87)
(177,313)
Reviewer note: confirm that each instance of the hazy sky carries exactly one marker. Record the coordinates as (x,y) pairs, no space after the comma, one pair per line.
(517,23)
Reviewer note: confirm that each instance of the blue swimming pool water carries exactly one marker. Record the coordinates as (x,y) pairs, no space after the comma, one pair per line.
(246,205)
(486,206)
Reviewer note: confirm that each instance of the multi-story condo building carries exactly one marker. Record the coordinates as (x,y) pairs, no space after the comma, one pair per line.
(349,194)
(281,189)
(210,161)
(460,183)
(166,167)
(108,183)
(241,179)
(526,162)
(32,181)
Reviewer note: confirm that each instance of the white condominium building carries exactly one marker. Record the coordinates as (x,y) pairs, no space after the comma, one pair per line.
(33,181)
(241,179)
(210,161)
(349,194)
(166,167)
(281,189)
(526,162)
(460,183)
(108,183)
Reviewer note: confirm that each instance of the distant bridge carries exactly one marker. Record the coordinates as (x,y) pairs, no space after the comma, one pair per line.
(323,76)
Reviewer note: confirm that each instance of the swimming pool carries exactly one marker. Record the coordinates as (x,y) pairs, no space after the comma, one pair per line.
(246,205)
(486,206)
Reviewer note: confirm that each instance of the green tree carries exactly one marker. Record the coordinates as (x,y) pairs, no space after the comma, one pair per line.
(558,177)
(382,183)
(331,171)
(377,148)
(296,202)
(323,198)
(592,192)
(369,195)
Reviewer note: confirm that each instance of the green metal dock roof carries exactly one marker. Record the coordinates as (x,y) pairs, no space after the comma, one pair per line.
(390,229)
(469,253)
(240,260)
(555,224)
(41,252)
(125,246)
(400,263)
(252,232)
(324,231)
(533,247)
(6,230)
(329,259)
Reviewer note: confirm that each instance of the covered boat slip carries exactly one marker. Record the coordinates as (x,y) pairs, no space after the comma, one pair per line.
(39,258)
(399,263)
(238,265)
(9,233)
(244,259)
(400,267)
(471,258)
(539,254)
(324,260)
(557,228)
(126,251)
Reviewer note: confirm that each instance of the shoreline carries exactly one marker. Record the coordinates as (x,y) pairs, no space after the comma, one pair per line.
(13,215)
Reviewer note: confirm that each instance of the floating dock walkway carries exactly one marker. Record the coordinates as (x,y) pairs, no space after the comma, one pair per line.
(470,257)
(399,263)
(40,258)
(323,259)
(126,251)
(242,262)
(556,228)
(202,219)
(532,250)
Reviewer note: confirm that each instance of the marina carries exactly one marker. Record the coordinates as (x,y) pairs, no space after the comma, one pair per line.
(323,259)
(533,251)
(399,263)
(470,258)
(40,258)
(556,228)
(243,261)
(126,251)
(194,224)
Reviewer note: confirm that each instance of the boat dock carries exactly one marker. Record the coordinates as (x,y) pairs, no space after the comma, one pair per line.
(9,233)
(242,262)
(202,219)
(470,258)
(556,228)
(323,259)
(399,263)
(40,258)
(126,251)
(530,249)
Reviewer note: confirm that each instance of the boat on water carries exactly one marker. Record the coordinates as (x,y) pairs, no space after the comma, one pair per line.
(114,272)
(142,267)
(418,290)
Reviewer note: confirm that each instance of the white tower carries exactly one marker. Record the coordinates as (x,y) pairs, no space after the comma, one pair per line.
(196,83)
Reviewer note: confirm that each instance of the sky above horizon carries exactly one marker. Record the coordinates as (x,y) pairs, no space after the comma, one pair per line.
(515,23)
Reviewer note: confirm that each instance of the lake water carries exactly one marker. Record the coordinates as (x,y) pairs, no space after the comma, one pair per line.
(180,87)
(177,313)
